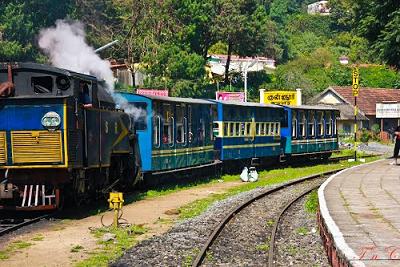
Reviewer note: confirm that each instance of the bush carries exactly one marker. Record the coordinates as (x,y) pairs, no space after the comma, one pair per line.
(365,136)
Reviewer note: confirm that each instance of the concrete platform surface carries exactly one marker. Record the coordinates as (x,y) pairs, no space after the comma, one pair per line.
(360,208)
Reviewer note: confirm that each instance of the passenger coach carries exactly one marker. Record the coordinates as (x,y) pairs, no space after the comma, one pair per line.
(248,133)
(174,133)
(312,131)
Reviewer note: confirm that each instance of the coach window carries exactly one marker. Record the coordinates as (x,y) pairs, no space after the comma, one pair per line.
(302,123)
(242,129)
(277,128)
(320,123)
(237,131)
(248,128)
(168,120)
(294,124)
(156,125)
(180,124)
(225,129)
(271,129)
(189,125)
(328,119)
(311,124)
(231,129)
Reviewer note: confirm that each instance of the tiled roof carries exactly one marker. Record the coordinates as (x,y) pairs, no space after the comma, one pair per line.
(368,97)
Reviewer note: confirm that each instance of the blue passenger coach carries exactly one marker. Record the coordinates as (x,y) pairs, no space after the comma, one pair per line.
(312,131)
(248,132)
(174,133)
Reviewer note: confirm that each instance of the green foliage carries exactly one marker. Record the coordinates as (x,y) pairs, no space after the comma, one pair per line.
(365,136)
(375,128)
(311,204)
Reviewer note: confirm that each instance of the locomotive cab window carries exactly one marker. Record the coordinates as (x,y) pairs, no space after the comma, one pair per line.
(85,93)
(42,84)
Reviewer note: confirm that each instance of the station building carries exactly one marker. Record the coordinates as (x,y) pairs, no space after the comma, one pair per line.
(376,106)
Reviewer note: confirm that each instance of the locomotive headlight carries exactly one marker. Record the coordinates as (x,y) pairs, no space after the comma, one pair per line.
(51,121)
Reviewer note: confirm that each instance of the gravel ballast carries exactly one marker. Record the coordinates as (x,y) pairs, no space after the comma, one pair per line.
(244,241)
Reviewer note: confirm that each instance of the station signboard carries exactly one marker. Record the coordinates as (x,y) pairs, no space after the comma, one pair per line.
(280,97)
(387,110)
(152,92)
(230,96)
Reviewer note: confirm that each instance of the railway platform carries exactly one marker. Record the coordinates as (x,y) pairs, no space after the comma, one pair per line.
(359,215)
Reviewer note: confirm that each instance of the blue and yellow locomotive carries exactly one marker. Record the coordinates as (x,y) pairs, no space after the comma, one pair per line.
(60,133)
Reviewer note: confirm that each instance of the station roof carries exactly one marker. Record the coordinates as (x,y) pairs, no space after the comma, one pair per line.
(367,98)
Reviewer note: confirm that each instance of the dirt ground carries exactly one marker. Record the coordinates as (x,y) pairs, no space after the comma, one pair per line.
(60,237)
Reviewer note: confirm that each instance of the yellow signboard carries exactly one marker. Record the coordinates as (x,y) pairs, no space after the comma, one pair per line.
(356,81)
(280,97)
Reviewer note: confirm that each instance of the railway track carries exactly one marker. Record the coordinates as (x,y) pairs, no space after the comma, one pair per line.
(12,223)
(234,211)
(271,253)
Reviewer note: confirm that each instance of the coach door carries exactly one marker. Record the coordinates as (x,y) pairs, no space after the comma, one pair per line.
(181,139)
(192,140)
(168,134)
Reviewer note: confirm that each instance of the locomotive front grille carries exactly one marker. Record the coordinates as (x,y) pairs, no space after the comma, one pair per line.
(36,147)
(3,148)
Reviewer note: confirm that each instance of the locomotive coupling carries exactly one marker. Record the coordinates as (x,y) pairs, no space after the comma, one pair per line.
(116,200)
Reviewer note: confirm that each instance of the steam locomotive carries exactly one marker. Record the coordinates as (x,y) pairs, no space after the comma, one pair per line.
(63,135)
(60,134)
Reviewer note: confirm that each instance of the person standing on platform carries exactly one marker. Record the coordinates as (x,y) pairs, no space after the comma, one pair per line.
(397,143)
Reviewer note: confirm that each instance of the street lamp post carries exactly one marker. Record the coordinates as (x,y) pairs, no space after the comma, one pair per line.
(245,79)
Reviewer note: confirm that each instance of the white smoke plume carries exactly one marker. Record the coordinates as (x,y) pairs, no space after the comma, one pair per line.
(66,46)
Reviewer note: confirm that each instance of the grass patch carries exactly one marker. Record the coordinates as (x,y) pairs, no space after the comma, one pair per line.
(38,238)
(76,248)
(302,231)
(266,178)
(112,249)
(12,247)
(262,247)
(311,204)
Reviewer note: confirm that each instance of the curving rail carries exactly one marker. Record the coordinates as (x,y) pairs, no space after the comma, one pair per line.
(214,235)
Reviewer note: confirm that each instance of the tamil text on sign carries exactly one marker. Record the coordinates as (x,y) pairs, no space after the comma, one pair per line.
(280,97)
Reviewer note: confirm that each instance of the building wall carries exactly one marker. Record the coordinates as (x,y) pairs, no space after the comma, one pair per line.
(346,127)
(330,98)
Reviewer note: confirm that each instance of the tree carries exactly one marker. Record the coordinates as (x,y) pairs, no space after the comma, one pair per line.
(245,27)
(378,21)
